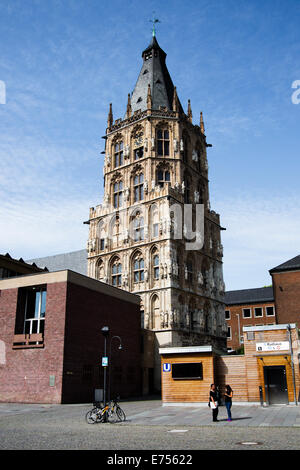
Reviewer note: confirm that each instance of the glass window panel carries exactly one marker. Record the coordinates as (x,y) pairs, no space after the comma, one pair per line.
(166,147)
(167,176)
(159,134)
(34,326)
(166,135)
(43,303)
(37,304)
(160,147)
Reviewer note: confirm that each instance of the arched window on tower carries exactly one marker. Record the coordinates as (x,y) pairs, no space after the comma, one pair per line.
(101,235)
(187,189)
(154,221)
(190,270)
(163,142)
(138,187)
(116,272)
(138,227)
(138,268)
(156,266)
(163,177)
(100,270)
(118,194)
(118,154)
(155,315)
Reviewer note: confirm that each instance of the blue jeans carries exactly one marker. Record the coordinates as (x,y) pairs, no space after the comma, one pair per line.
(228,405)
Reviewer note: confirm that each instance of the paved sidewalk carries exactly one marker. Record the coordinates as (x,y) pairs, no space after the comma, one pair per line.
(153,413)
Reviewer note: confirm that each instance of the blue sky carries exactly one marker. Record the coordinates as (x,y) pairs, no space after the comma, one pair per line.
(63,62)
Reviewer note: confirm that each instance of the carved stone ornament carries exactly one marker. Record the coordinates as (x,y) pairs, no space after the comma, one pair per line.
(194,156)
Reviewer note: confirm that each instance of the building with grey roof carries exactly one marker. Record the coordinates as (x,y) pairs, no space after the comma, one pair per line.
(74,261)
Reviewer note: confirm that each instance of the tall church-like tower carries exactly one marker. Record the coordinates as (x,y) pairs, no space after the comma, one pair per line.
(155,170)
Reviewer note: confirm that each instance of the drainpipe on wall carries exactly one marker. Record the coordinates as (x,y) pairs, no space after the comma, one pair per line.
(292,361)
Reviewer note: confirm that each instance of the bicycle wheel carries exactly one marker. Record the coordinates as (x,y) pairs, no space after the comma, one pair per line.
(112,415)
(121,415)
(91,416)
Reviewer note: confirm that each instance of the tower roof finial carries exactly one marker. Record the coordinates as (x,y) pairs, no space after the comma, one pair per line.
(153,21)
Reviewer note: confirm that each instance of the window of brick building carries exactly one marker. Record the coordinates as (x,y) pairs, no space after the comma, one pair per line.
(246,312)
(270,311)
(227,314)
(258,312)
(31,311)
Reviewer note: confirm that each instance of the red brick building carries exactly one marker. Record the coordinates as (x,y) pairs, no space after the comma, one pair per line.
(248,307)
(51,344)
(286,286)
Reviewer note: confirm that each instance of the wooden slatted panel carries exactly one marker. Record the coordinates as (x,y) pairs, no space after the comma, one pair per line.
(187,390)
(231,370)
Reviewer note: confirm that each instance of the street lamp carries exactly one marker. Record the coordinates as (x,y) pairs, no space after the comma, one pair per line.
(109,370)
(105,332)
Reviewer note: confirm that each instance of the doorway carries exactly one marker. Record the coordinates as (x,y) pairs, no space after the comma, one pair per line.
(276,385)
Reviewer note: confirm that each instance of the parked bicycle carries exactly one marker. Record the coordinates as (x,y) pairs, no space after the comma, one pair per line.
(111,413)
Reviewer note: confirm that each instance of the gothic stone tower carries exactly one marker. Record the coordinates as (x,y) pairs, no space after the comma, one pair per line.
(155,158)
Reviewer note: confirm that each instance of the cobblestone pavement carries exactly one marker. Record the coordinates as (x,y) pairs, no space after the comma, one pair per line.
(149,426)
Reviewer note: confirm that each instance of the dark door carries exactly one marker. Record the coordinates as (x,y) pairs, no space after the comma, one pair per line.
(275,383)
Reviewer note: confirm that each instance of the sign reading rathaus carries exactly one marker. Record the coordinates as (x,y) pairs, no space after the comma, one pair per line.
(155,234)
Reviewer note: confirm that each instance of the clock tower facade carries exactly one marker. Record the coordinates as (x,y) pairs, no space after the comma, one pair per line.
(155,234)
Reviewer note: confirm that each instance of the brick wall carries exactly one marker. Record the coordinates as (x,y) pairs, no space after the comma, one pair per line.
(286,287)
(237,311)
(25,373)
(87,312)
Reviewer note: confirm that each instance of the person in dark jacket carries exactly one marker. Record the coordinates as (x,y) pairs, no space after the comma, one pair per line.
(213,402)
(228,401)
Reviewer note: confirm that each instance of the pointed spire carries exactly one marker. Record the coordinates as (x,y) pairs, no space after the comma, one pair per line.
(110,118)
(189,113)
(128,110)
(175,105)
(202,123)
(149,97)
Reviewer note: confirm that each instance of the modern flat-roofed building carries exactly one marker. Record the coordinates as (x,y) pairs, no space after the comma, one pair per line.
(51,343)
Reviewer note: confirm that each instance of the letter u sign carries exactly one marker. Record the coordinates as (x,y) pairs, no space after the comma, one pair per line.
(167,367)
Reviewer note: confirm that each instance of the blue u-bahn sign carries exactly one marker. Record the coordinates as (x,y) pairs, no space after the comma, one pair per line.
(167,367)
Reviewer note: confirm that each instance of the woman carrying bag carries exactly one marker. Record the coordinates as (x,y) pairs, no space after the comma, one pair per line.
(213,402)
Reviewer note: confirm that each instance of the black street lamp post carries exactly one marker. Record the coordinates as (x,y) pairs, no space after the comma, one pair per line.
(109,370)
(105,332)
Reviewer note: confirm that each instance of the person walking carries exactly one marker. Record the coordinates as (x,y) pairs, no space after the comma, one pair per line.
(213,403)
(228,401)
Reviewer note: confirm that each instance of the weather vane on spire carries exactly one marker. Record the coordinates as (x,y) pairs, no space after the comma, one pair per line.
(153,21)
